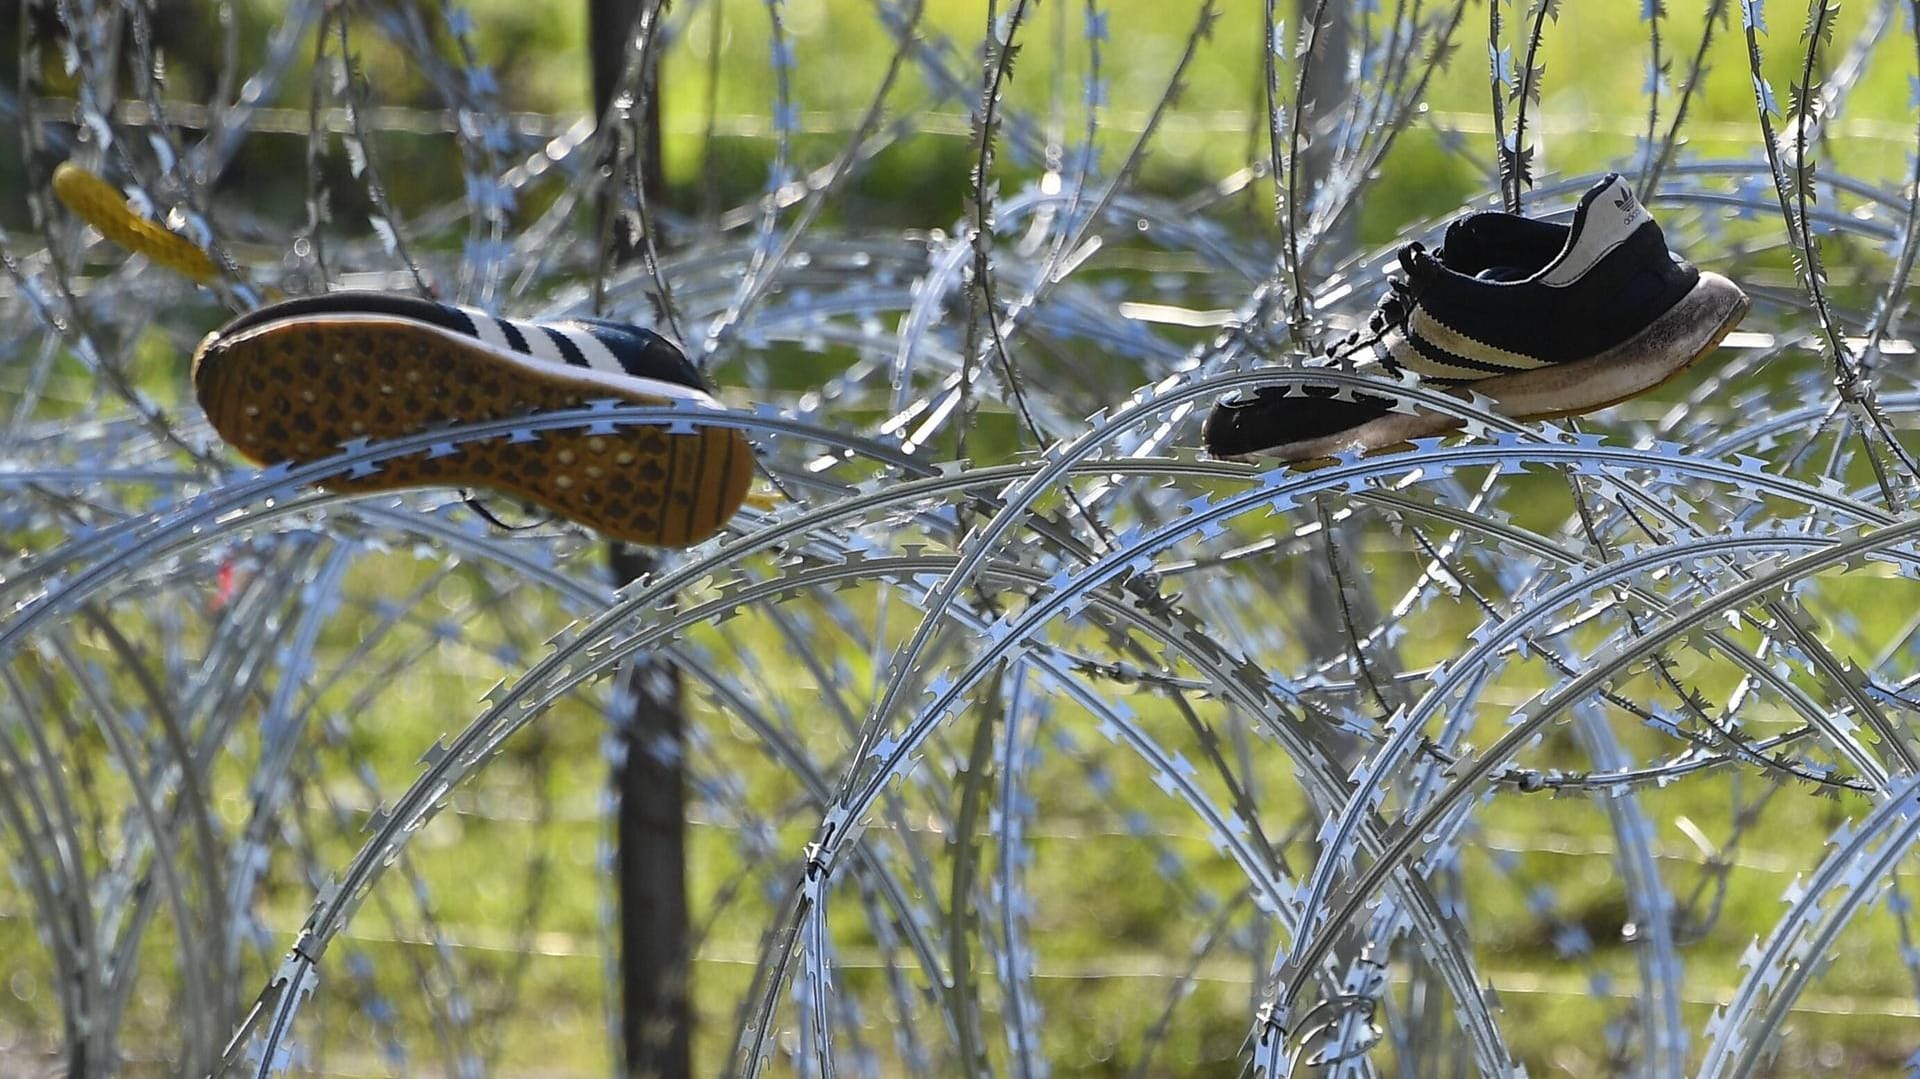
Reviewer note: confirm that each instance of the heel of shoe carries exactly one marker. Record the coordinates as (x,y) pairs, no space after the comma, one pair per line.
(214,386)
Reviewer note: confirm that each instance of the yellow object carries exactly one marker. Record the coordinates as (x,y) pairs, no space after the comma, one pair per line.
(106,209)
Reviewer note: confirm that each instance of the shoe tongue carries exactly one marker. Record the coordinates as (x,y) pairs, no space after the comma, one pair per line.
(1606,216)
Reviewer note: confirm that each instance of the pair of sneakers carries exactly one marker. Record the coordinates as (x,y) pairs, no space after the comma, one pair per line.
(1544,319)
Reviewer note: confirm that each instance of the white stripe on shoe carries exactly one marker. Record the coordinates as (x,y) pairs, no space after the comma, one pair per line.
(1406,355)
(568,344)
(485,327)
(539,345)
(599,356)
(1444,336)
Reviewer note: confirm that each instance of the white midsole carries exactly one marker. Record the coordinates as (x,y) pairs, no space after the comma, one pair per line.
(1669,344)
(624,383)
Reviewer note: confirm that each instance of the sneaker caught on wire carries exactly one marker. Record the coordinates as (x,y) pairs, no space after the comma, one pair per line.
(292,381)
(1546,320)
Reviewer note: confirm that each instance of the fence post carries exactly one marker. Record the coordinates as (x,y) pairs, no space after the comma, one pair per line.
(1324,95)
(651,858)
(650,777)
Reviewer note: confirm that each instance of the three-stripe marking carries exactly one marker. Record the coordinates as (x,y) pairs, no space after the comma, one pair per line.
(555,344)
(1454,355)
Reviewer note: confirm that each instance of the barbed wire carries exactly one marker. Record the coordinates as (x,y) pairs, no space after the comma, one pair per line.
(1327,723)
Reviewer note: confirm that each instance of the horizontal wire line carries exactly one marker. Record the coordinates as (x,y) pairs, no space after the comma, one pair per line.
(399,119)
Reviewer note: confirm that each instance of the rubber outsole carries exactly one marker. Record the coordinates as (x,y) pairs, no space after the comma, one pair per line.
(1663,351)
(296,390)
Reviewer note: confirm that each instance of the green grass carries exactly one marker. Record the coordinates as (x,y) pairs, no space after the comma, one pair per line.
(1109,930)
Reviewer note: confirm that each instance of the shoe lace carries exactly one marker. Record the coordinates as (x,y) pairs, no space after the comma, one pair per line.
(473,503)
(1394,308)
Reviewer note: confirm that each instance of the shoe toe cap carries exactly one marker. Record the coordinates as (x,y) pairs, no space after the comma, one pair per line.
(1276,422)
(1237,426)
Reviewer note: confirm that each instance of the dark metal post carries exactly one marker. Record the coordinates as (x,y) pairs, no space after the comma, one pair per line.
(609,33)
(651,859)
(650,778)
(1325,96)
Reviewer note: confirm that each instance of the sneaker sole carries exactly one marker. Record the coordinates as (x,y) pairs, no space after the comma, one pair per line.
(1674,342)
(295,390)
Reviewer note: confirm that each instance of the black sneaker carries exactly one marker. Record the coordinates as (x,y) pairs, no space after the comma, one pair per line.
(294,380)
(1546,320)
